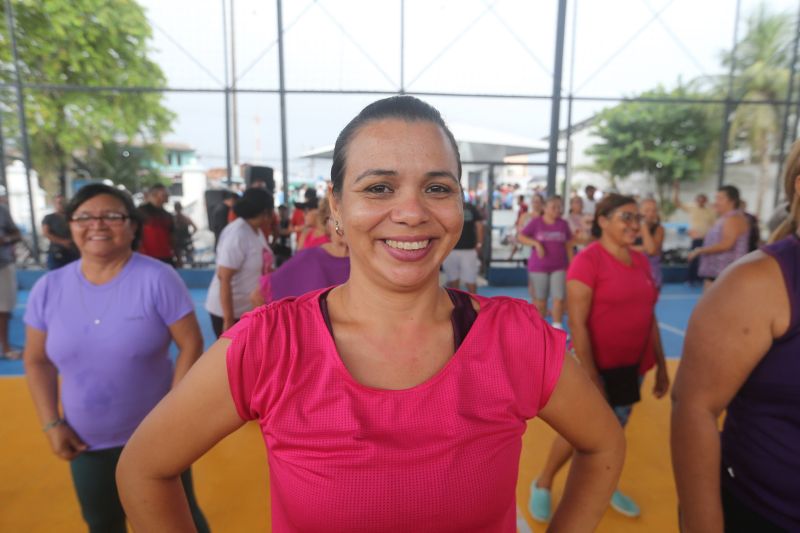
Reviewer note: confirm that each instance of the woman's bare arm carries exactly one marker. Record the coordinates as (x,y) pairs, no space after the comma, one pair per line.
(580,414)
(730,330)
(193,417)
(652,241)
(661,385)
(579,303)
(186,334)
(732,229)
(42,377)
(225,276)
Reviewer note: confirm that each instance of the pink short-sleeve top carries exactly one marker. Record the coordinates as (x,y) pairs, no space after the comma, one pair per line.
(440,456)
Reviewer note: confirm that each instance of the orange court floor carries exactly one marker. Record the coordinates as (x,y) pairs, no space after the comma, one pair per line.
(231,481)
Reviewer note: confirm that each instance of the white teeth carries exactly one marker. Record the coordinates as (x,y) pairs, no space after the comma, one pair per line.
(406,245)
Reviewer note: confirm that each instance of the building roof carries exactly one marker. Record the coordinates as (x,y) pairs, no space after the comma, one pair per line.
(471,139)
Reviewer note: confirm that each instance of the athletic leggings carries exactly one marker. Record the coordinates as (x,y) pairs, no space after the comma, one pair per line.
(93,474)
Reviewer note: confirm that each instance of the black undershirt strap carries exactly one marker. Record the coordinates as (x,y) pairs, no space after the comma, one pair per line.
(462,318)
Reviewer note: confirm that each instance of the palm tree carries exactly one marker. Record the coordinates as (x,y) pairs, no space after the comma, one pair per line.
(762,75)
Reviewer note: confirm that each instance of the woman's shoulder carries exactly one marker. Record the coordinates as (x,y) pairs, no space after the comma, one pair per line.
(151,268)
(639,258)
(287,315)
(60,277)
(759,266)
(502,306)
(591,253)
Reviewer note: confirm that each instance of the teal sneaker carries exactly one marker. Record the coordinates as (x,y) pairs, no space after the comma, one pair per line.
(539,504)
(624,505)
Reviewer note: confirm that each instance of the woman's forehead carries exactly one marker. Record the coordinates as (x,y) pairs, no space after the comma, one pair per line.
(103,202)
(400,142)
(626,207)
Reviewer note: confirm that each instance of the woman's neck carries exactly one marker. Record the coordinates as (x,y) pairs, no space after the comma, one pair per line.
(370,303)
(100,270)
(254,223)
(618,250)
(336,249)
(548,219)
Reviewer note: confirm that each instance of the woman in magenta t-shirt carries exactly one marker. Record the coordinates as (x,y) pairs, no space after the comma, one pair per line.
(387,403)
(611,297)
(551,245)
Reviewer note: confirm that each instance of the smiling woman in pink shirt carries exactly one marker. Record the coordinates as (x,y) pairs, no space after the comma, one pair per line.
(387,403)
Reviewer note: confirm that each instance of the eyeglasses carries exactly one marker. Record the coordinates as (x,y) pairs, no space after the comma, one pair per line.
(111,219)
(629,217)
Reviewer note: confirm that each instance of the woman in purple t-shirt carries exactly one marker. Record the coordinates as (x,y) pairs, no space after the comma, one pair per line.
(104,325)
(551,245)
(741,356)
(311,268)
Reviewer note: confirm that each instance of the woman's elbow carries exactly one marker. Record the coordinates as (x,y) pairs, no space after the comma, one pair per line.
(610,445)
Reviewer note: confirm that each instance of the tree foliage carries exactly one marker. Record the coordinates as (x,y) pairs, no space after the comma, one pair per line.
(761,74)
(131,166)
(82,43)
(670,142)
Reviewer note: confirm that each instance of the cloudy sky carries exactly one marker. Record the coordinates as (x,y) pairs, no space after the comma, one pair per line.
(613,48)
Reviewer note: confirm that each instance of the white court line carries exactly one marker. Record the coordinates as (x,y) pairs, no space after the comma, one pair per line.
(672,329)
(678,296)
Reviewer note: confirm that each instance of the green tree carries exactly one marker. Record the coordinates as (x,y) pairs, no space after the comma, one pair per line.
(131,166)
(669,142)
(761,74)
(82,43)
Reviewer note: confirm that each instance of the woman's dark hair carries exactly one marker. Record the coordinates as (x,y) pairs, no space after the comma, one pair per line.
(254,202)
(733,194)
(406,108)
(605,207)
(87,192)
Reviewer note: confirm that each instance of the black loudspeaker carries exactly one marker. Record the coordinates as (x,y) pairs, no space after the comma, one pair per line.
(214,197)
(255,176)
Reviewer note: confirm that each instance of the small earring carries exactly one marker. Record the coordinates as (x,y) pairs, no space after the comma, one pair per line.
(337,229)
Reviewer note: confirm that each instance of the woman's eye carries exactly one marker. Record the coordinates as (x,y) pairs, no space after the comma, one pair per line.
(378,188)
(439,189)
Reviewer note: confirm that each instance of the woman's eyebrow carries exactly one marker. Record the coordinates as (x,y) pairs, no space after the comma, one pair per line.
(386,172)
(375,172)
(441,174)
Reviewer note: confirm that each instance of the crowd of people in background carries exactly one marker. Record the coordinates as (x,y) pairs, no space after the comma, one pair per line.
(342,272)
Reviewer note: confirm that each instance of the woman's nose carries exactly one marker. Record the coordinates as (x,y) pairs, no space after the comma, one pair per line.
(410,209)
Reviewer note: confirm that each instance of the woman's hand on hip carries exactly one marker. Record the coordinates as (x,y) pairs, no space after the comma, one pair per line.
(65,443)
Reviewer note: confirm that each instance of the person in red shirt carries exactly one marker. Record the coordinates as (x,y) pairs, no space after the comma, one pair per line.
(158,229)
(611,297)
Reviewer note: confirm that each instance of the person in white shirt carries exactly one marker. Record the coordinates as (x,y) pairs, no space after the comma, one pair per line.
(589,202)
(240,260)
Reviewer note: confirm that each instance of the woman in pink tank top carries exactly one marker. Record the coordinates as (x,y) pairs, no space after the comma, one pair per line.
(387,403)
